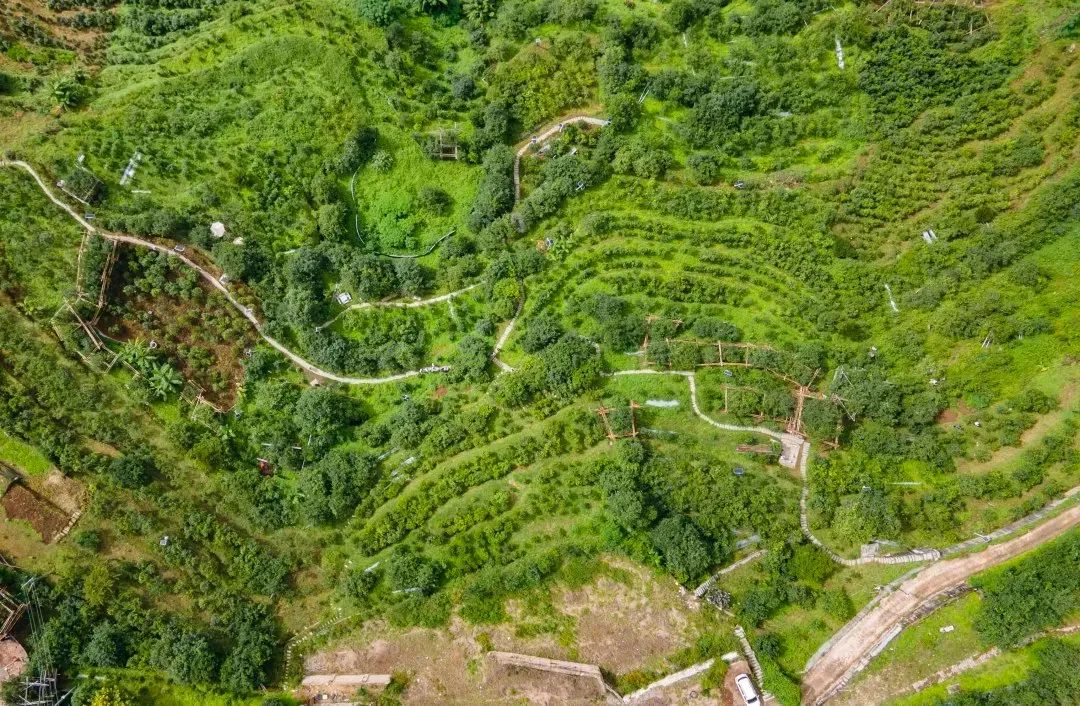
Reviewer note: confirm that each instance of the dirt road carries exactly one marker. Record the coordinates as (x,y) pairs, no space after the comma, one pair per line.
(852,652)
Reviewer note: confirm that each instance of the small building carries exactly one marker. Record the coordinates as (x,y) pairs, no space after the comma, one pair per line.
(343,298)
(217,229)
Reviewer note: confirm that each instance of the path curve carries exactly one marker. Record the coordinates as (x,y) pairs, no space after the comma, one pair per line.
(246,312)
(870,632)
(803,461)
(553,129)
(400,304)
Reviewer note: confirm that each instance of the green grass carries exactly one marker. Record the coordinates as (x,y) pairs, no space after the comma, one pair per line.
(23,456)
(1007,668)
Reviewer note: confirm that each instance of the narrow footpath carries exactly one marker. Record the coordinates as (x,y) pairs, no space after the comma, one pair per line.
(215,282)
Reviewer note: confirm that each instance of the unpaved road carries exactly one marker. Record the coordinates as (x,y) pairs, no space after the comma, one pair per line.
(847,654)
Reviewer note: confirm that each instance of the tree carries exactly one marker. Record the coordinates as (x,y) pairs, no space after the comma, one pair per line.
(133,470)
(413,573)
(472,359)
(137,354)
(106,647)
(333,487)
(252,631)
(379,12)
(821,418)
(324,413)
(164,380)
(110,696)
(623,112)
(331,218)
(571,366)
(360,145)
(540,333)
(704,167)
(382,161)
(495,194)
(369,277)
(628,504)
(359,584)
(686,552)
(716,115)
(411,278)
(434,200)
(185,656)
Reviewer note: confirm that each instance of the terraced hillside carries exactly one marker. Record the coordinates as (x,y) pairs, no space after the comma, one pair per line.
(347,320)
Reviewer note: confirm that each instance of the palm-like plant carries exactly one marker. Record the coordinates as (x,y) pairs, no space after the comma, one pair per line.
(164,380)
(137,354)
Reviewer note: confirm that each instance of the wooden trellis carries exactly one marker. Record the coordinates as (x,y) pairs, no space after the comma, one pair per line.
(604,411)
(12,610)
(106,278)
(73,330)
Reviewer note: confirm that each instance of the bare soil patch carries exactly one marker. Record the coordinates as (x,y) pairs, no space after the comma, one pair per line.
(20,503)
(32,22)
(625,620)
(199,334)
(627,626)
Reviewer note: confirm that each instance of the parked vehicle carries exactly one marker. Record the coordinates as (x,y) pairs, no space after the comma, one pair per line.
(747,690)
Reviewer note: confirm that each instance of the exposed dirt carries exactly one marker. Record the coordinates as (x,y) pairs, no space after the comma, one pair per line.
(50,28)
(448,667)
(872,627)
(13,660)
(182,328)
(731,695)
(631,620)
(627,626)
(20,503)
(102,448)
(66,493)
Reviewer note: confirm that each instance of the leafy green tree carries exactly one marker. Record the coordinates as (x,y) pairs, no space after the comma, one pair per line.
(164,380)
(110,696)
(434,200)
(358,583)
(360,144)
(409,572)
(836,603)
(331,219)
(717,115)
(623,111)
(411,278)
(252,633)
(686,552)
(133,470)
(571,366)
(186,656)
(382,161)
(495,194)
(106,647)
(333,487)
(541,332)
(369,277)
(472,360)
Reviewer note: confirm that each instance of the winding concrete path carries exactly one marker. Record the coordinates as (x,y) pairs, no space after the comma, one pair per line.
(552,130)
(213,280)
(414,304)
(803,454)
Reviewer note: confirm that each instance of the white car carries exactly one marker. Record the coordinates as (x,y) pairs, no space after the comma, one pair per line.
(747,690)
